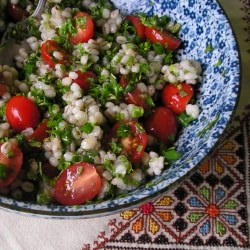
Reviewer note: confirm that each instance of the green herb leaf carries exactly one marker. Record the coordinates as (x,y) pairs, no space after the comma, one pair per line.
(87,128)
(185,119)
(158,48)
(123,131)
(137,112)
(30,65)
(115,147)
(171,155)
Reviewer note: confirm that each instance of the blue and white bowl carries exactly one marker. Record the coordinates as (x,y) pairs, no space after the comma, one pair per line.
(204,24)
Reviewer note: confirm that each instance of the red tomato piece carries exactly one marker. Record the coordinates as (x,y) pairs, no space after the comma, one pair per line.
(77,184)
(12,164)
(162,124)
(139,27)
(135,144)
(16,13)
(177,97)
(47,50)
(85,29)
(164,38)
(84,80)
(22,113)
(137,98)
(3,89)
(123,81)
(40,133)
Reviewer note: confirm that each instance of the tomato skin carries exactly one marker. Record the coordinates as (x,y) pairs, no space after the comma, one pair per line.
(130,144)
(171,96)
(3,89)
(162,124)
(16,13)
(85,32)
(84,80)
(139,27)
(137,98)
(123,81)
(22,113)
(47,49)
(77,184)
(164,38)
(13,165)
(40,133)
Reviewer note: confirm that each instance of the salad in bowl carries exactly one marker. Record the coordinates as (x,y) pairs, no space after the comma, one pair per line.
(95,108)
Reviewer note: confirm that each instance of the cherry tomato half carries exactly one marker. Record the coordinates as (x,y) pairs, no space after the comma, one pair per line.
(84,80)
(135,97)
(22,113)
(40,133)
(139,27)
(162,124)
(77,184)
(177,97)
(16,12)
(47,50)
(11,164)
(164,38)
(133,145)
(85,28)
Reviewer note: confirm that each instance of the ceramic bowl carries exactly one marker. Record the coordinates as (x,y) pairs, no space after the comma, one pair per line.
(204,25)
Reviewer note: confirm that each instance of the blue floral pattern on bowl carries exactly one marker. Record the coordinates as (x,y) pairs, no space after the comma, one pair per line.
(204,25)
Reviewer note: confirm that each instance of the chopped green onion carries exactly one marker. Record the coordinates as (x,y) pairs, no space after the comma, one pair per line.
(185,119)
(137,112)
(182,93)
(115,147)
(139,148)
(158,48)
(87,128)
(149,101)
(171,155)
(123,131)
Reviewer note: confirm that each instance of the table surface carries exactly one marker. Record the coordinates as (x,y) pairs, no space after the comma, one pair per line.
(162,224)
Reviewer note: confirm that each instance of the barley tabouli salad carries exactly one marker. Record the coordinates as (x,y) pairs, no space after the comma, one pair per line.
(94,104)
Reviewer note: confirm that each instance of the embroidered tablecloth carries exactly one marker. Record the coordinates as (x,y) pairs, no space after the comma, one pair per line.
(210,209)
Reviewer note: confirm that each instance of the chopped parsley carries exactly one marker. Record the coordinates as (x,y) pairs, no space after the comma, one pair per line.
(185,119)
(87,128)
(115,147)
(108,91)
(171,155)
(123,131)
(30,65)
(154,21)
